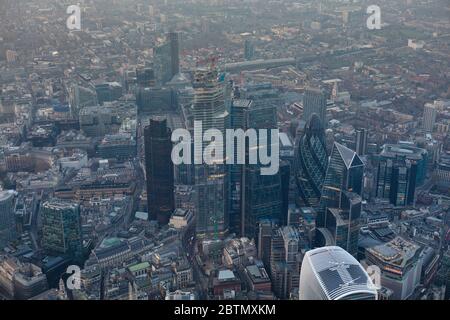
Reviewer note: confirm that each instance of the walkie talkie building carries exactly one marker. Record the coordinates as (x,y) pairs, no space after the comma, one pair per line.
(331,273)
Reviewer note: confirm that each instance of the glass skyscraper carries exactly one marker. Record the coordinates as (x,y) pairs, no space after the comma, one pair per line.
(262,199)
(61,228)
(262,195)
(344,173)
(210,112)
(410,152)
(7,217)
(396,180)
(315,101)
(159,170)
(311,162)
(239,108)
(340,203)
(167,60)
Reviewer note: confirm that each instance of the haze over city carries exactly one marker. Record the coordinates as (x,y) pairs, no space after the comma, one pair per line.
(225,150)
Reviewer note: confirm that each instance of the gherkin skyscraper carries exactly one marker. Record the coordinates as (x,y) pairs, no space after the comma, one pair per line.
(311,162)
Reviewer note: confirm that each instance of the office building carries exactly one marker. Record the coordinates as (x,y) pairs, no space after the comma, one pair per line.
(249,49)
(429,117)
(343,224)
(210,111)
(344,173)
(311,162)
(410,152)
(315,101)
(340,203)
(396,180)
(400,265)
(262,113)
(285,261)
(121,146)
(262,195)
(96,121)
(108,91)
(19,280)
(331,273)
(174,53)
(262,199)
(7,217)
(166,59)
(239,109)
(61,228)
(145,77)
(159,171)
(361,142)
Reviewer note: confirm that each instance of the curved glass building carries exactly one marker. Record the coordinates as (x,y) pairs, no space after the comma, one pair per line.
(331,273)
(311,162)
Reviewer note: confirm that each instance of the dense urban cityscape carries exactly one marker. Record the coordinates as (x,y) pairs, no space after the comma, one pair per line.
(225,150)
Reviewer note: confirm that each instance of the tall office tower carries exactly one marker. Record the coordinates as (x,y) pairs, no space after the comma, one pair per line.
(331,273)
(344,173)
(429,117)
(61,228)
(361,142)
(410,152)
(159,171)
(262,199)
(285,261)
(210,112)
(167,59)
(396,180)
(264,241)
(315,101)
(340,203)
(343,224)
(400,262)
(7,217)
(145,77)
(174,53)
(311,162)
(249,49)
(265,100)
(238,113)
(162,63)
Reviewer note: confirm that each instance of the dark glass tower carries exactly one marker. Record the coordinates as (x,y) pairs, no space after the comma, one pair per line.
(61,228)
(315,101)
(174,52)
(167,59)
(340,202)
(396,180)
(262,195)
(311,163)
(159,171)
(239,108)
(361,142)
(262,199)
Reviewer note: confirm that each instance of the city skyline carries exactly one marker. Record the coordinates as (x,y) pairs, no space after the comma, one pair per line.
(224,150)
